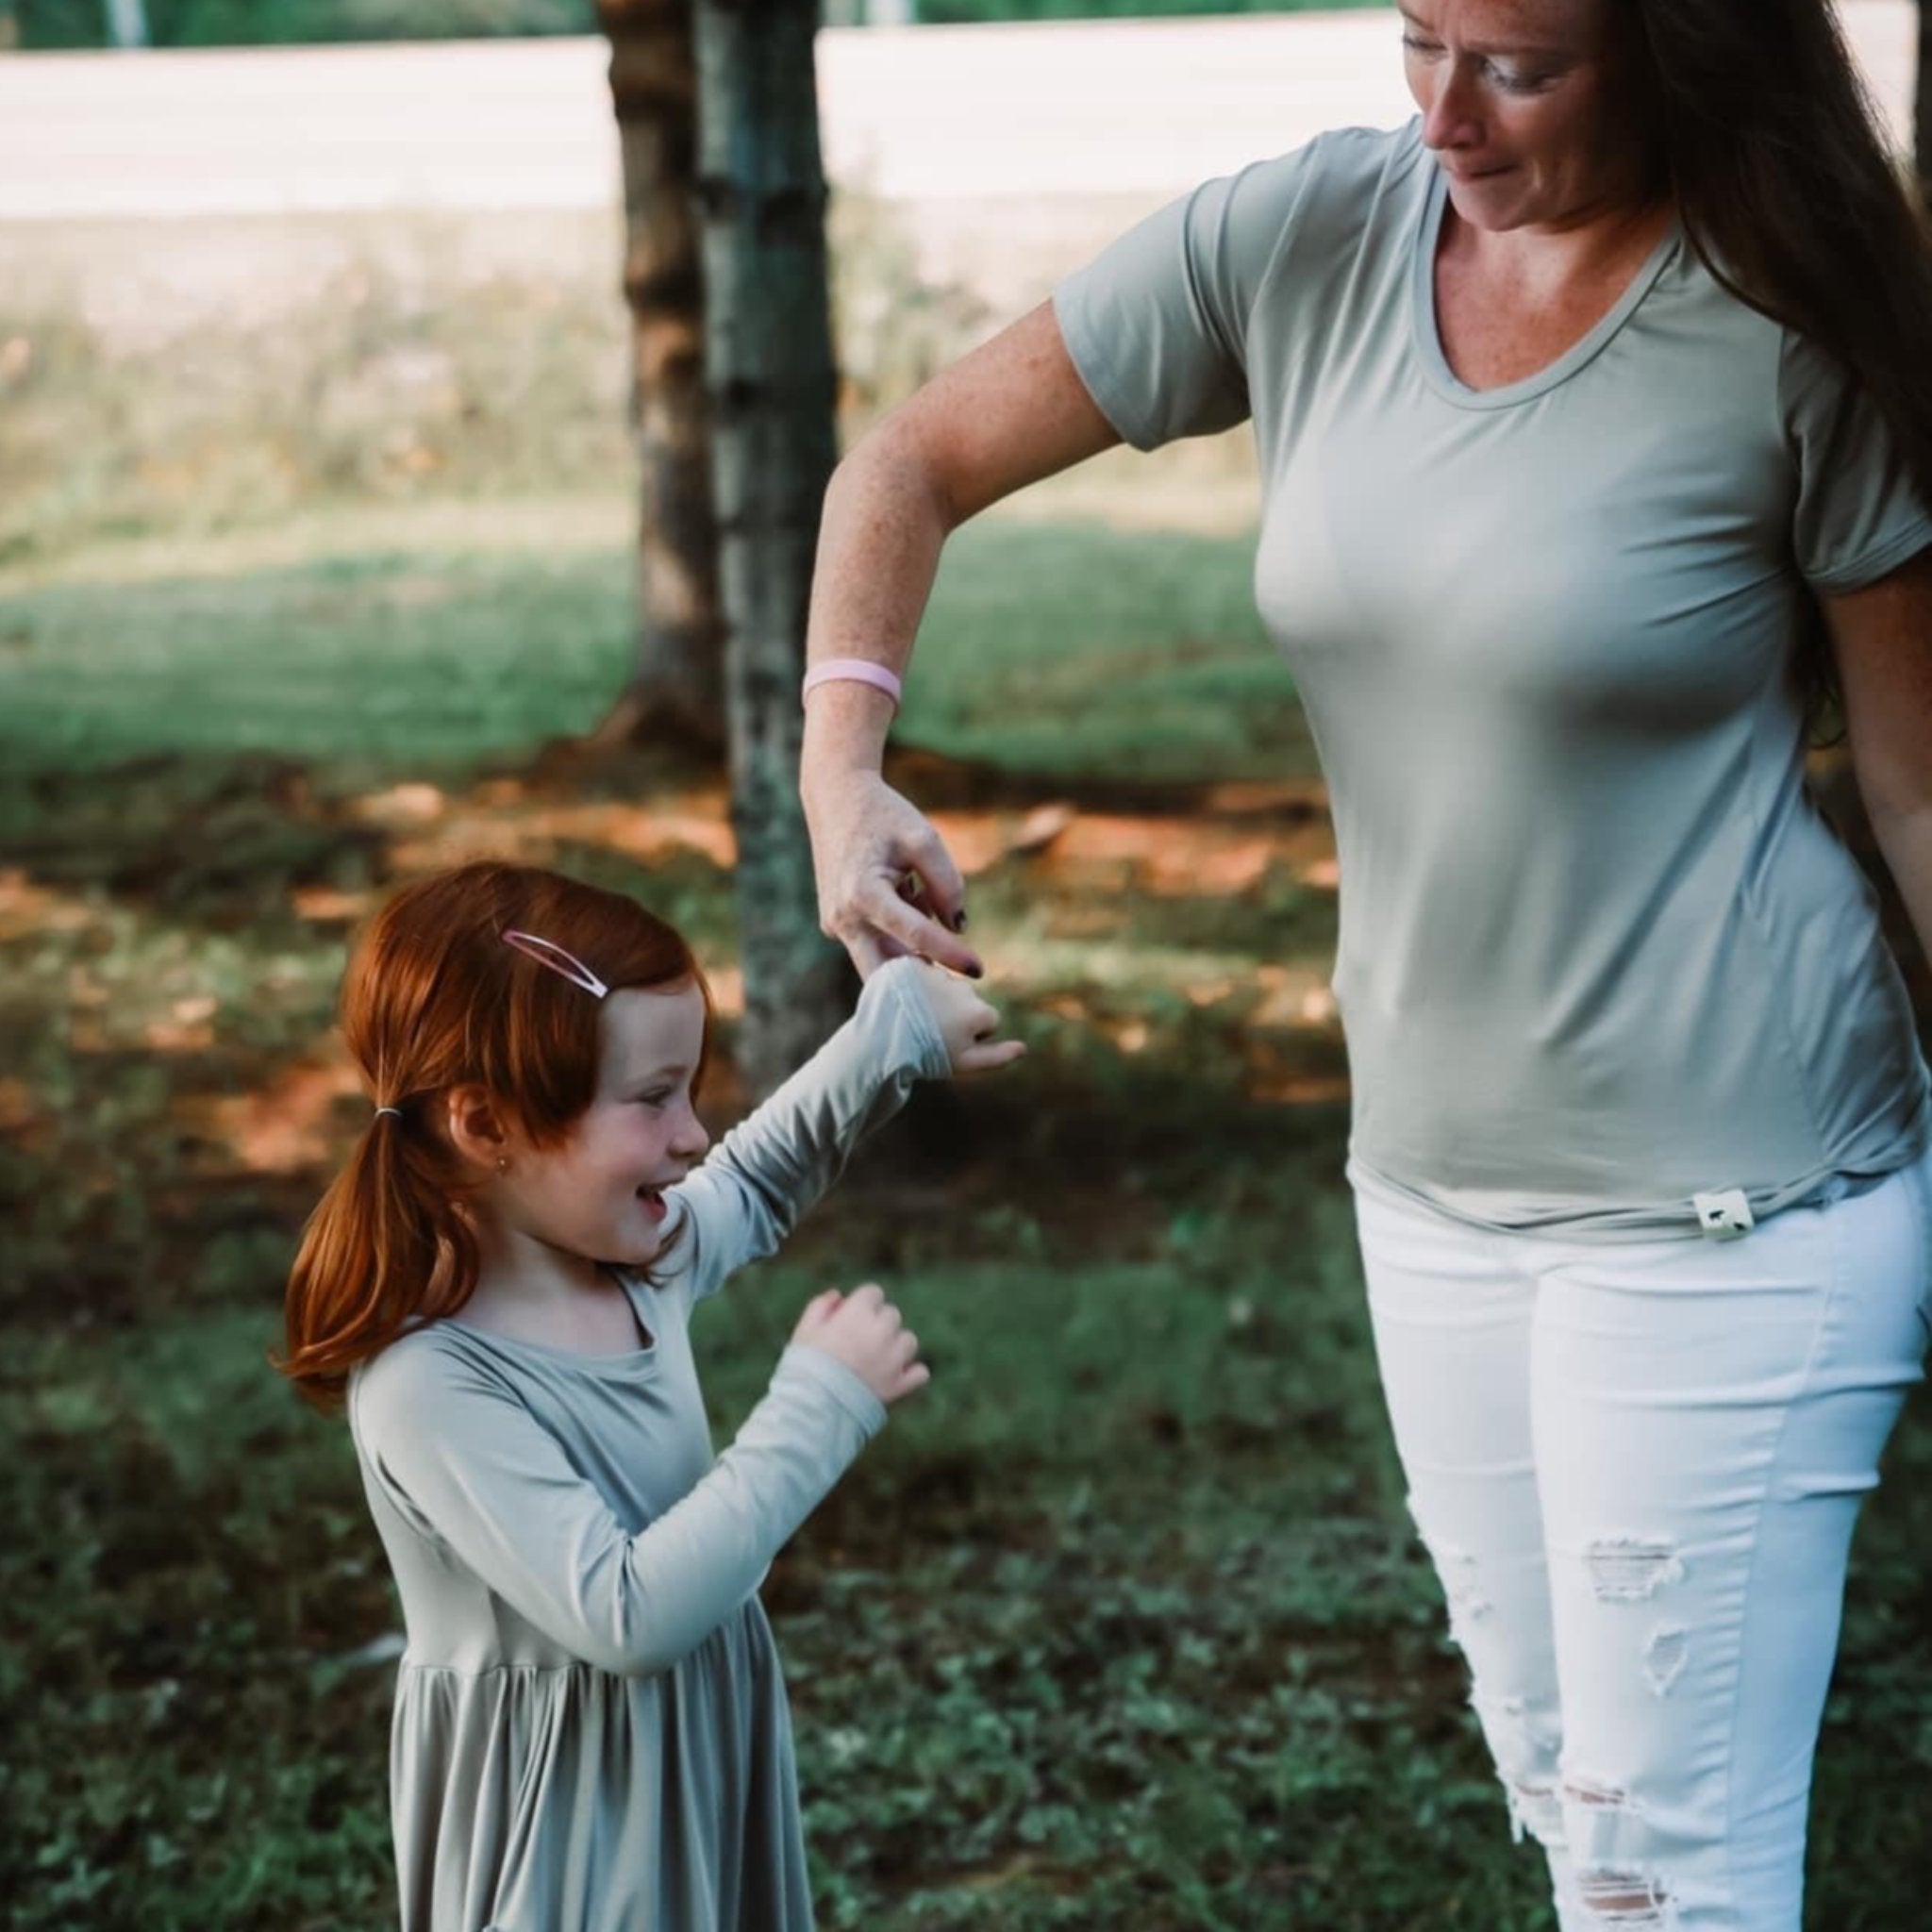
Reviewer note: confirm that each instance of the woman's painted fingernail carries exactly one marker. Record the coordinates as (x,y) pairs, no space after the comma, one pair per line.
(959,920)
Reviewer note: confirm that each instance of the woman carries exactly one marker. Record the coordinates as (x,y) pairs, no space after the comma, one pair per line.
(1594,429)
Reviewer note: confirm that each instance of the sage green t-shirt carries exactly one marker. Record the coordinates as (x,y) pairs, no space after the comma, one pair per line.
(1599,951)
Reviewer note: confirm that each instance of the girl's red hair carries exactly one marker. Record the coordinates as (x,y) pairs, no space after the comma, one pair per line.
(434,999)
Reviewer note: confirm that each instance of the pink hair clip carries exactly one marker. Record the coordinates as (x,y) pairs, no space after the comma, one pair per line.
(547,953)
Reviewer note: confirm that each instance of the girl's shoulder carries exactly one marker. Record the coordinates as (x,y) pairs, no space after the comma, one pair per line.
(412,1379)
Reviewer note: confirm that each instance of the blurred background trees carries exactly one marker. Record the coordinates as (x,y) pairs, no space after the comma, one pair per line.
(270,23)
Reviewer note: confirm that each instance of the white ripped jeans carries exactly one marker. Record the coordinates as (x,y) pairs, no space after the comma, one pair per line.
(1637,1466)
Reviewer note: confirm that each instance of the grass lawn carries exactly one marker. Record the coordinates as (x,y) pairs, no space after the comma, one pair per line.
(1120,1625)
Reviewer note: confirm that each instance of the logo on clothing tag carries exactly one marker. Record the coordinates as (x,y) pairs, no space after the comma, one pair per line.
(1725,1216)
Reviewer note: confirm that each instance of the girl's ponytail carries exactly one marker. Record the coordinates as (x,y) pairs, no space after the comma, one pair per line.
(384,1247)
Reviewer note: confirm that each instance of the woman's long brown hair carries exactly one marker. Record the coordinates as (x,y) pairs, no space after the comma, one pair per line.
(434,999)
(1778,163)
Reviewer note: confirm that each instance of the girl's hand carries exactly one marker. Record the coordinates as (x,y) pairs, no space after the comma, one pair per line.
(887,884)
(865,1332)
(967,1023)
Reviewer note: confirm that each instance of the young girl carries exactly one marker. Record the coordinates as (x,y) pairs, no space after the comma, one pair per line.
(590,1731)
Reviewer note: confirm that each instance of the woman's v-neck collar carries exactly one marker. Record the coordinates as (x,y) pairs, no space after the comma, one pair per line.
(1428,341)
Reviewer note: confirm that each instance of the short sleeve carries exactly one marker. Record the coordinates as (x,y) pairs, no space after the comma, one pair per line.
(1157,324)
(1859,515)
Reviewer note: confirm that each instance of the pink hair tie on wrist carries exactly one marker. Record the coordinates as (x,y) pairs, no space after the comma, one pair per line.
(852,671)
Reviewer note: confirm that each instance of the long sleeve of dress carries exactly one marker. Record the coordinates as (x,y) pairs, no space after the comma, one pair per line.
(759,1181)
(458,1455)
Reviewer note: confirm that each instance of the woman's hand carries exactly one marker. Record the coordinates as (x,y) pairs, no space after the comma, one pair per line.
(967,1023)
(886,883)
(867,1333)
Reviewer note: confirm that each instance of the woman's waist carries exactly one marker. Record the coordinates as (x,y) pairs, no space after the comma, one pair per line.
(1646,1152)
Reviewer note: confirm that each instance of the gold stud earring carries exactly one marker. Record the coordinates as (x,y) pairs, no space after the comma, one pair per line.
(502,1165)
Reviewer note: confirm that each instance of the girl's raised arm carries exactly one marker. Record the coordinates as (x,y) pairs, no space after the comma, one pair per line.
(756,1184)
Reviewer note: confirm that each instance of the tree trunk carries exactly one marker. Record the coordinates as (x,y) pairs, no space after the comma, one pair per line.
(127,24)
(676,690)
(770,375)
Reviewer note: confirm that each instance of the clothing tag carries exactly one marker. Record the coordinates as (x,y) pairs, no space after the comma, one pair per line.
(1725,1216)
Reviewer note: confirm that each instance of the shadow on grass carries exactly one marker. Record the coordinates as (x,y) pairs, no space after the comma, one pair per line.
(1119,1625)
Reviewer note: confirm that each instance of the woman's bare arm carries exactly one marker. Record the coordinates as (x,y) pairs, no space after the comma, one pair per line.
(1882,638)
(1013,412)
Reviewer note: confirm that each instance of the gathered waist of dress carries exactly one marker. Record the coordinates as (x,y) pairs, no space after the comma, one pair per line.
(745,1623)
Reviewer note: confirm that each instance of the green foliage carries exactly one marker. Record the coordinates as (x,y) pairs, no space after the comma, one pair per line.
(285,23)
(403,374)
(935,13)
(281,22)
(1120,1623)
(474,639)
(391,384)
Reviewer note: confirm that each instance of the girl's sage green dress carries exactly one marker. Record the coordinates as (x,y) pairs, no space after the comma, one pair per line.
(590,1731)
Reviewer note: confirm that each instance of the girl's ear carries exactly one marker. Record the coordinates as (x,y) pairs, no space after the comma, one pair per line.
(476,1128)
